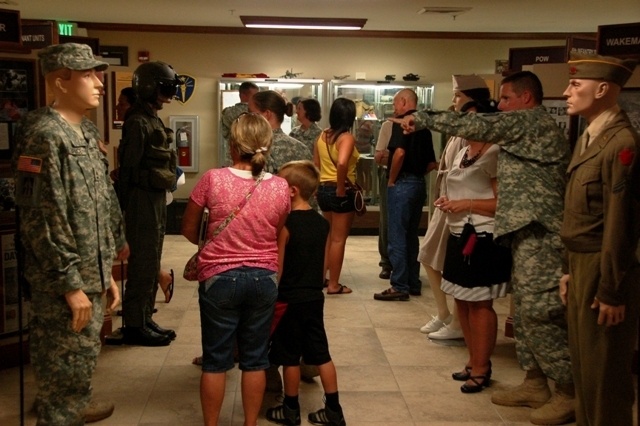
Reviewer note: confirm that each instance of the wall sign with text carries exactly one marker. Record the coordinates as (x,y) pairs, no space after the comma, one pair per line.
(521,56)
(621,40)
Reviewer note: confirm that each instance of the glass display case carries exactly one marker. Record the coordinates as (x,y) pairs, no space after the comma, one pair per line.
(374,104)
(289,88)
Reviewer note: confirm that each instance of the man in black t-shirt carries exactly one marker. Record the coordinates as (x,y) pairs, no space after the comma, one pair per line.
(411,157)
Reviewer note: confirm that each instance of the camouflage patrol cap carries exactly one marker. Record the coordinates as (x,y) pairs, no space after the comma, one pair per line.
(601,68)
(73,56)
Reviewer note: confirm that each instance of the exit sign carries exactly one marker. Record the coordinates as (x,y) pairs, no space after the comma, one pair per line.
(67,28)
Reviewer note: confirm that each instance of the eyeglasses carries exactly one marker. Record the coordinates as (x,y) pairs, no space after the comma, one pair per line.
(246,113)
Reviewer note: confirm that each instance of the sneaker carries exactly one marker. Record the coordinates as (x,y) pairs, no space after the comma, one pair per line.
(284,415)
(392,295)
(435,324)
(446,333)
(326,416)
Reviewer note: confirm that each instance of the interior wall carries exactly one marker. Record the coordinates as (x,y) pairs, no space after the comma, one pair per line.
(207,56)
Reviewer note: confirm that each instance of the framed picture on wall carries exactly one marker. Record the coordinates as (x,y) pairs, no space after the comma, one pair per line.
(17,88)
(557,107)
(18,95)
(629,100)
(186,135)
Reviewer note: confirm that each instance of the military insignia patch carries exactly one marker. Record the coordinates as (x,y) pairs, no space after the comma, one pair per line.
(619,187)
(29,164)
(186,88)
(28,190)
(626,156)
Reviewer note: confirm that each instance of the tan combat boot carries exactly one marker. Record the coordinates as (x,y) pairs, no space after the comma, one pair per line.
(98,410)
(533,392)
(560,409)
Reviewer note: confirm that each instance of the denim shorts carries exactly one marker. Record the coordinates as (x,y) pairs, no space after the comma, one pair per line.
(237,305)
(329,202)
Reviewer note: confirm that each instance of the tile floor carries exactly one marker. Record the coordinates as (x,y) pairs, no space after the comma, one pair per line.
(389,374)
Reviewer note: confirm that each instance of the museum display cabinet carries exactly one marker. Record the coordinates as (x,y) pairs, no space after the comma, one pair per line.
(290,88)
(374,105)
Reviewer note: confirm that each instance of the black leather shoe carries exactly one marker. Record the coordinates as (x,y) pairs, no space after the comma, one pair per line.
(416,291)
(153,326)
(142,336)
(385,274)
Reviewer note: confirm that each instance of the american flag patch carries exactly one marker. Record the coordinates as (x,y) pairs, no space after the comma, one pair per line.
(29,164)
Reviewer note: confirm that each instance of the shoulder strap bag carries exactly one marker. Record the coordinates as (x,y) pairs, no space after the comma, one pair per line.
(190,272)
(352,187)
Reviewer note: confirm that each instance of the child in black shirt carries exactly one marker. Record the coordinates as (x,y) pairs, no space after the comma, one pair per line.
(301,332)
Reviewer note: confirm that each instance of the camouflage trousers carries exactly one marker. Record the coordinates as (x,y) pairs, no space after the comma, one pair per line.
(63,360)
(540,324)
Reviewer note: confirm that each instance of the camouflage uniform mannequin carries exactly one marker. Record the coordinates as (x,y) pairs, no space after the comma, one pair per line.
(533,157)
(70,228)
(147,171)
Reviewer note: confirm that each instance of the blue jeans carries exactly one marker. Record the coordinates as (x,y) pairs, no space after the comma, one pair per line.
(237,305)
(404,206)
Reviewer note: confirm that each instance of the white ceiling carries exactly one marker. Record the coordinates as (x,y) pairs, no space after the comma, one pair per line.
(520,16)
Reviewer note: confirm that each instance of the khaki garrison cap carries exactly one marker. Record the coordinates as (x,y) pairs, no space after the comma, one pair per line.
(598,67)
(468,82)
(74,56)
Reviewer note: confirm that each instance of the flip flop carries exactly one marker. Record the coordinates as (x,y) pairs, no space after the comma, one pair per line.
(326,283)
(170,288)
(343,290)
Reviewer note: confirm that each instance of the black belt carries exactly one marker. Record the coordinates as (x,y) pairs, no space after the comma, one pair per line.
(328,184)
(407,174)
